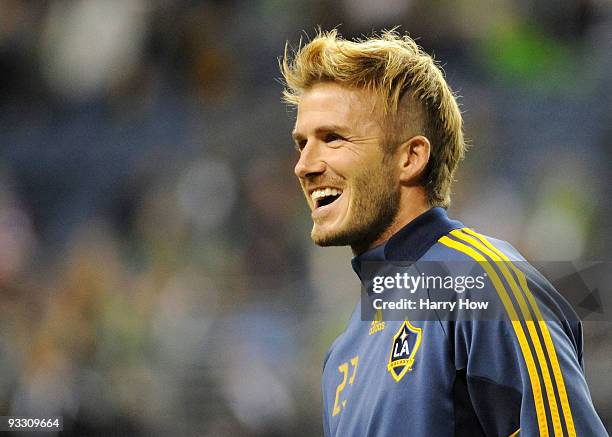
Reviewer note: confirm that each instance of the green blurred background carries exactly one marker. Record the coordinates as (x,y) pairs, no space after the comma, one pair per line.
(156,272)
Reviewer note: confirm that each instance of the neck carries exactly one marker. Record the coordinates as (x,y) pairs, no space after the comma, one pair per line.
(408,211)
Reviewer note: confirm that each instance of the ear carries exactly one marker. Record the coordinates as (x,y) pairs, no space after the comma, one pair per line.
(413,159)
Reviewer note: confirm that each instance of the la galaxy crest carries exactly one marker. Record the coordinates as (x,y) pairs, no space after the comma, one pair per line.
(406,343)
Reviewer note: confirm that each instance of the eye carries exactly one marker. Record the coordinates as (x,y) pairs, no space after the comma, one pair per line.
(299,145)
(331,137)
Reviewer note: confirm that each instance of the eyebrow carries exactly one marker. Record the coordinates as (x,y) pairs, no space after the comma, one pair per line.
(322,130)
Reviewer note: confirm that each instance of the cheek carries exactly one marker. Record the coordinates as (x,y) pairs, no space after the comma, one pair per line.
(369,186)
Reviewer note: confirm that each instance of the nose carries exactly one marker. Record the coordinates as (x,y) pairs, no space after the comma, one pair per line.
(310,162)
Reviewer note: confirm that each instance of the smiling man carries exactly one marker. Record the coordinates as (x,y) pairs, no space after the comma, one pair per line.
(349,183)
(379,136)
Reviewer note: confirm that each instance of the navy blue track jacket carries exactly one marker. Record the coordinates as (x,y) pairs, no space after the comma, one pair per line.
(521,375)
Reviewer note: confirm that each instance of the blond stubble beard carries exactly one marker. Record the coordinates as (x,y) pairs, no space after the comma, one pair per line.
(374,206)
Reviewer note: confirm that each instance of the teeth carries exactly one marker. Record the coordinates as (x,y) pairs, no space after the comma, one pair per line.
(323,192)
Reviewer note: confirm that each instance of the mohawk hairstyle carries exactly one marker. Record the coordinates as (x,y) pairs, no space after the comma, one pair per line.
(399,73)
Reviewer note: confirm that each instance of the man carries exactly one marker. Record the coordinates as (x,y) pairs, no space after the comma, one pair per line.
(379,136)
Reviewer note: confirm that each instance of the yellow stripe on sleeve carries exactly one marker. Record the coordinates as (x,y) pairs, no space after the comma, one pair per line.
(516,325)
(550,347)
(531,327)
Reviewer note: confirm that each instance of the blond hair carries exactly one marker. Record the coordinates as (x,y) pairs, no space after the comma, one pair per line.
(399,72)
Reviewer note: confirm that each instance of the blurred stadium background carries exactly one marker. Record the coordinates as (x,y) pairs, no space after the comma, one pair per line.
(156,274)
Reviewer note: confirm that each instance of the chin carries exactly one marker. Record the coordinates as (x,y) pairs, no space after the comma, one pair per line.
(328,238)
(336,237)
(358,237)
(322,239)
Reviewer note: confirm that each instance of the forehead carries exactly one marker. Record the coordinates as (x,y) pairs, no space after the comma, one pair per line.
(332,103)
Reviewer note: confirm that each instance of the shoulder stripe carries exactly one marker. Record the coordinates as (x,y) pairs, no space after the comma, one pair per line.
(516,325)
(550,347)
(531,327)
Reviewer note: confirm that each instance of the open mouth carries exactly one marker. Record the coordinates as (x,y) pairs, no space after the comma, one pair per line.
(325,196)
